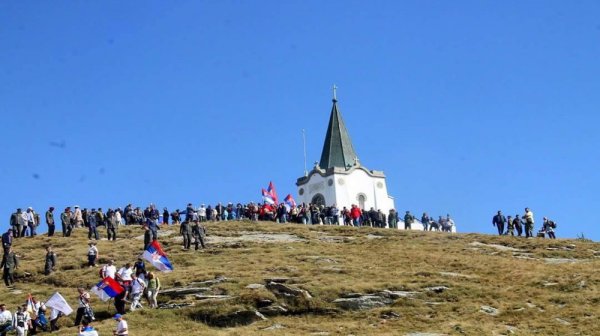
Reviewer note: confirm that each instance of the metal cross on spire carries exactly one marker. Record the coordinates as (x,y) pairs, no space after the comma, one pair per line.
(334,92)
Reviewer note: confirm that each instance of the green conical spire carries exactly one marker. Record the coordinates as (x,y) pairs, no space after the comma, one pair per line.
(337,149)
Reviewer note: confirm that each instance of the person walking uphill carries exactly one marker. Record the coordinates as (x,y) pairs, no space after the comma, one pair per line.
(50,221)
(499,221)
(7,239)
(50,261)
(186,232)
(92,254)
(10,262)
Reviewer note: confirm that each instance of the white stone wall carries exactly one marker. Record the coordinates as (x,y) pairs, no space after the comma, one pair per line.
(343,190)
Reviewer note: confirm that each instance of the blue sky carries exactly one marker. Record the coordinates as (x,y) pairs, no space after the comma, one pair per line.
(467,106)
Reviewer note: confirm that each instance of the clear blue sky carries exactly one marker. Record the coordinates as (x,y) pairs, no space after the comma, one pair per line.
(467,106)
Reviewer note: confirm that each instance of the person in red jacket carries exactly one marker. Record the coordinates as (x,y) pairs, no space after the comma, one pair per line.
(355,214)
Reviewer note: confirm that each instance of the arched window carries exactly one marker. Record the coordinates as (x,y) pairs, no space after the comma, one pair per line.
(318,199)
(361,198)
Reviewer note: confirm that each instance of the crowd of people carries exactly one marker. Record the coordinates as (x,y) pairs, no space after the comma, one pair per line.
(138,283)
(26,223)
(523,224)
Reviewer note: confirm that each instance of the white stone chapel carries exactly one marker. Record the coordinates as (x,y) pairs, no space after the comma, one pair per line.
(339,177)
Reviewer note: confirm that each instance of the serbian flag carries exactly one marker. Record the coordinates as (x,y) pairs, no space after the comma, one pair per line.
(157,257)
(107,288)
(267,197)
(289,202)
(273,193)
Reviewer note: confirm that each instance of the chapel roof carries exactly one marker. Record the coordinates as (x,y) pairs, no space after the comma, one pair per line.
(337,149)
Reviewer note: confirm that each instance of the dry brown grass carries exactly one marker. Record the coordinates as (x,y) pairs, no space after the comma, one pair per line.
(351,261)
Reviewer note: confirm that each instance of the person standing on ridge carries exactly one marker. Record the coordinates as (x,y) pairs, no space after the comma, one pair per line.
(511,226)
(66,222)
(408,220)
(15,223)
(498,221)
(50,221)
(529,222)
(518,225)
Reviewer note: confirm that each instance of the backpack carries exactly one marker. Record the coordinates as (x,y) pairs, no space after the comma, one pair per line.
(552,224)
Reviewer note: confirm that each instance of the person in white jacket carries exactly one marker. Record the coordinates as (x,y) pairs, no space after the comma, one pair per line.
(21,321)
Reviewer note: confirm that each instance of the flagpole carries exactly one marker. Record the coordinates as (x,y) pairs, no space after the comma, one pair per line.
(304,143)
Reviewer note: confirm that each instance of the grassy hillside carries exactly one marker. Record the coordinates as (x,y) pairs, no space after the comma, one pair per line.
(442,283)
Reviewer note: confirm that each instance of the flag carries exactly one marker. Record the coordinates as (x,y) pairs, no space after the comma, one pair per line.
(271,190)
(56,301)
(157,257)
(267,198)
(107,288)
(30,306)
(289,202)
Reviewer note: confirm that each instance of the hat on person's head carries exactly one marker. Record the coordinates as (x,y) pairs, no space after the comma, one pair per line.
(117,316)
(76,207)
(51,208)
(29,208)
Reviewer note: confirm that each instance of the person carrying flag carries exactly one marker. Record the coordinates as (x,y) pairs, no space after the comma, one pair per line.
(84,305)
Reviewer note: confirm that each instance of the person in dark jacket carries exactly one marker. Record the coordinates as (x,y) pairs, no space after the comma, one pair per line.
(518,225)
(165,215)
(66,222)
(112,221)
(15,223)
(50,261)
(92,225)
(50,221)
(10,262)
(425,220)
(7,240)
(408,220)
(186,231)
(147,237)
(198,232)
(498,221)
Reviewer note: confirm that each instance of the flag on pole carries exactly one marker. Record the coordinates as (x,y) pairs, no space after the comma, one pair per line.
(271,190)
(267,198)
(289,202)
(30,306)
(56,301)
(157,257)
(107,288)
(270,195)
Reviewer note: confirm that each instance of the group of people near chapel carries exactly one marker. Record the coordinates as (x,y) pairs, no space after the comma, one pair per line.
(523,224)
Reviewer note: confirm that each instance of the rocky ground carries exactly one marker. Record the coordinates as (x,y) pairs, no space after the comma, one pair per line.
(264,278)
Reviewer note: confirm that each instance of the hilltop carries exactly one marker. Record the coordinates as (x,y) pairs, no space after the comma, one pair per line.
(326,280)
